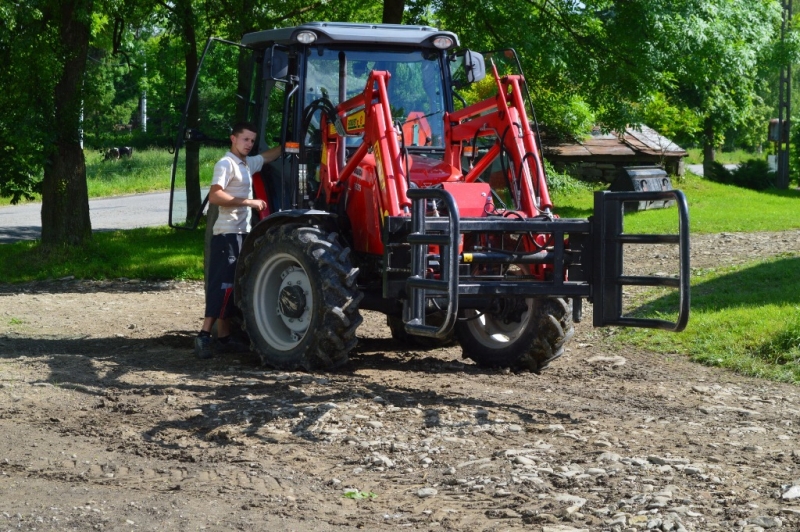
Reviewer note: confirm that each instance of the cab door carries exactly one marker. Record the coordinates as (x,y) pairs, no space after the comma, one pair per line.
(226,89)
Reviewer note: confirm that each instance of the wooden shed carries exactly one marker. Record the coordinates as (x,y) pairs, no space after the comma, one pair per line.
(602,155)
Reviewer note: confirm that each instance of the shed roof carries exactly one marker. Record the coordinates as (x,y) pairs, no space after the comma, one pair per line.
(644,140)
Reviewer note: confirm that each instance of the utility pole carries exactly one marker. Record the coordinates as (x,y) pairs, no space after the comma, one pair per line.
(784,105)
(143,102)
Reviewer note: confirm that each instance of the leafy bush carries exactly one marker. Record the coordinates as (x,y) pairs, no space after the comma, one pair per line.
(562,183)
(717,172)
(752,173)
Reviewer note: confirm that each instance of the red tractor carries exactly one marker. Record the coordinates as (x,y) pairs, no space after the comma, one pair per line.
(396,194)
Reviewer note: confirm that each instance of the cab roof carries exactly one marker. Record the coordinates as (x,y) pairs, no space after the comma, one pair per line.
(350,33)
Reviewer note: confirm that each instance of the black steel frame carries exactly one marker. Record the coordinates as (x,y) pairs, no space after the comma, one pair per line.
(594,260)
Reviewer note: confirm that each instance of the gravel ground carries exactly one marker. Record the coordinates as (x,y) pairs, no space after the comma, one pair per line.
(108,422)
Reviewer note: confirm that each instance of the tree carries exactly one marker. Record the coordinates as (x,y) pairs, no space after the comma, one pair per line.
(616,56)
(393,11)
(65,198)
(23,34)
(181,15)
(46,45)
(721,45)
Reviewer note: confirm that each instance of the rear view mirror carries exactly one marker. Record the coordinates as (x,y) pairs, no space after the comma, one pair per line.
(475,66)
(276,63)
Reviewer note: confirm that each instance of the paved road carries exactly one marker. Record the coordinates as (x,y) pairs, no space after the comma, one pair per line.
(698,168)
(24,222)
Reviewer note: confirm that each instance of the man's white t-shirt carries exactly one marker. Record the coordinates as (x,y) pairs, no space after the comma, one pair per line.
(235,178)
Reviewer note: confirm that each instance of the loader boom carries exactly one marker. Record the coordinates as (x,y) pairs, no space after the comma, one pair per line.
(367,114)
(503,116)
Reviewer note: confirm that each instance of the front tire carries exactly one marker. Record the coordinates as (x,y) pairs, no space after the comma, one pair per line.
(299,298)
(530,343)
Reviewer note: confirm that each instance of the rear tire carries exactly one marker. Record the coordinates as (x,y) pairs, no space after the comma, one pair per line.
(531,343)
(299,298)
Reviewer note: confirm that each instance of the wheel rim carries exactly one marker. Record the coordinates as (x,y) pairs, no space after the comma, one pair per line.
(282,311)
(494,332)
(491,330)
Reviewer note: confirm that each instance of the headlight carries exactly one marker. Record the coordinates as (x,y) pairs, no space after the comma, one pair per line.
(442,42)
(306,37)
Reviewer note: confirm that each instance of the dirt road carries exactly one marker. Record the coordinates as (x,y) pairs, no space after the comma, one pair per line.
(107,422)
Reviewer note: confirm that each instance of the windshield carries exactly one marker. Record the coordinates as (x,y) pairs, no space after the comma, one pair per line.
(415,88)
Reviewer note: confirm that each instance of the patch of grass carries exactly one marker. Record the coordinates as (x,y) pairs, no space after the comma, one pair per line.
(713,208)
(563,184)
(745,318)
(352,493)
(146,171)
(145,253)
(725,157)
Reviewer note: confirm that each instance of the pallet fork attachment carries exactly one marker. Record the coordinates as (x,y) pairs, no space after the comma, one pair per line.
(609,256)
(596,274)
(420,288)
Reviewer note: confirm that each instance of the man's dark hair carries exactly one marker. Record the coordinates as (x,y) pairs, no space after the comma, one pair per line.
(238,127)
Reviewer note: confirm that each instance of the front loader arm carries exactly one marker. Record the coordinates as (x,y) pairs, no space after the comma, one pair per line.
(503,116)
(368,114)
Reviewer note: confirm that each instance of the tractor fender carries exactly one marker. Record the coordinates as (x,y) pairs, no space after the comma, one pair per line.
(305,216)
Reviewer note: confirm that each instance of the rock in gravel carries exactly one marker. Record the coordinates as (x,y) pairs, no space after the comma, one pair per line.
(424,493)
(791,493)
(766,521)
(562,528)
(609,361)
(572,500)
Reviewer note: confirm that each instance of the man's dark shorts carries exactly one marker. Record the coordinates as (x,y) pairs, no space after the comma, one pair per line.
(224,253)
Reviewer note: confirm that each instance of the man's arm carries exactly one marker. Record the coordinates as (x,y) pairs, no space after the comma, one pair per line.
(271,154)
(218,196)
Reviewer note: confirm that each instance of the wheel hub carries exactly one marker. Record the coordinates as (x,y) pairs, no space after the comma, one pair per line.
(292,301)
(509,310)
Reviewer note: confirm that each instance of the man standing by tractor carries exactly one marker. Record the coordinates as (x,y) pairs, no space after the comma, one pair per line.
(231,191)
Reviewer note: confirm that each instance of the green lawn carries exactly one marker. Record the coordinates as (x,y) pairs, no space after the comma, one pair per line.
(745,318)
(713,208)
(725,157)
(146,253)
(147,171)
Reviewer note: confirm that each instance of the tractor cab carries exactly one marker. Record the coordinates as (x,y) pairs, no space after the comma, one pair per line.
(290,76)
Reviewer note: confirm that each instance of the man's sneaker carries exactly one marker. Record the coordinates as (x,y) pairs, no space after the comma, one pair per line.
(202,347)
(231,345)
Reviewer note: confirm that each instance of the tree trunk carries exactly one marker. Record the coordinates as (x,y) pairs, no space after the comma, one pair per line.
(709,147)
(65,198)
(393,11)
(194,198)
(244,107)
(245,70)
